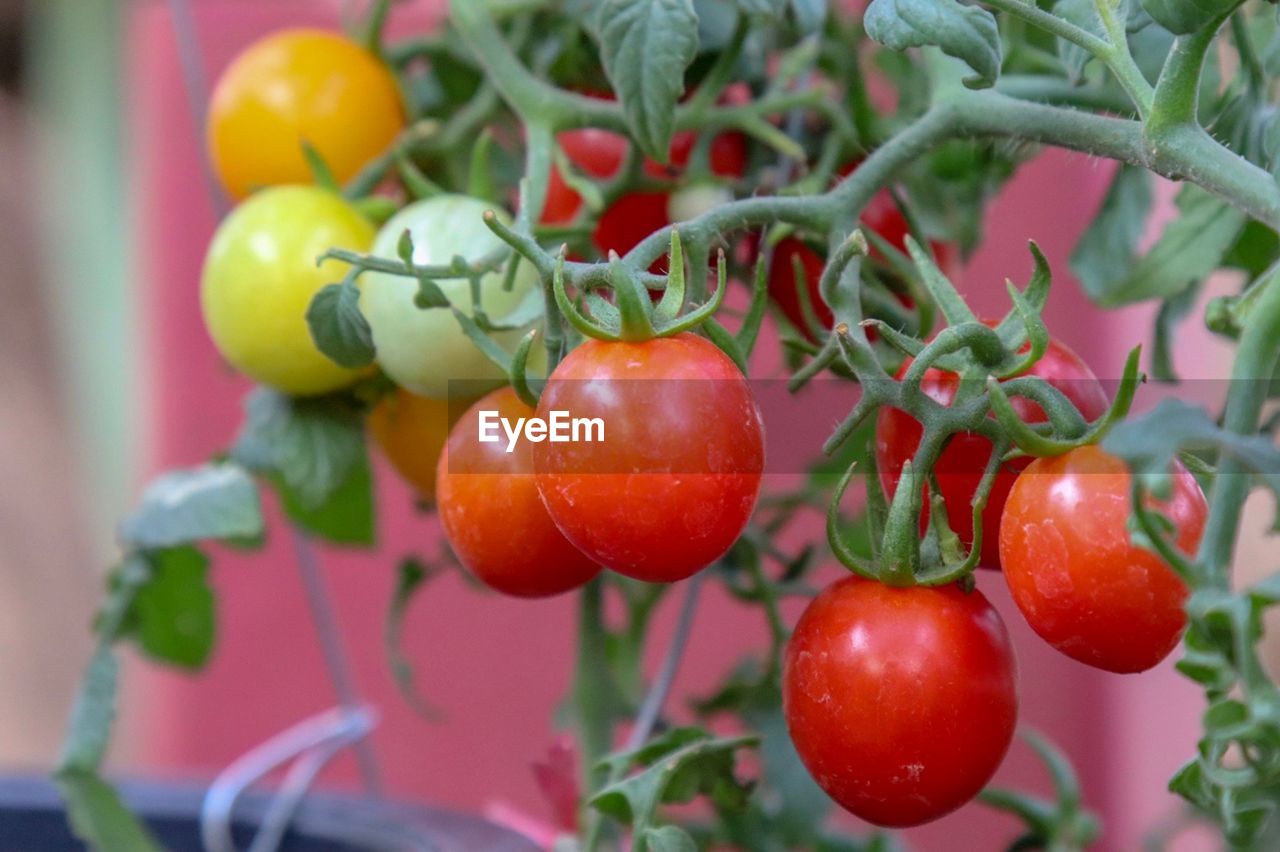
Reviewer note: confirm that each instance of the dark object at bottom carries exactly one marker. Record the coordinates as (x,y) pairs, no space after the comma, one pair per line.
(32,819)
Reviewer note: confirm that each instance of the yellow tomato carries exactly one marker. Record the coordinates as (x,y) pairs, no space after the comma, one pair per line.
(260,275)
(294,86)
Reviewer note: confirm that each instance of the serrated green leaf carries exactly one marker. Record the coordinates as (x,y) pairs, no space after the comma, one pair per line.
(338,328)
(172,615)
(1106,251)
(968,33)
(1190,247)
(310,444)
(98,817)
(347,514)
(645,47)
(1187,16)
(213,501)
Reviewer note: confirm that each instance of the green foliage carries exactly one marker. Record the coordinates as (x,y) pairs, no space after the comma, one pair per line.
(338,328)
(645,46)
(214,501)
(965,32)
(313,450)
(1187,16)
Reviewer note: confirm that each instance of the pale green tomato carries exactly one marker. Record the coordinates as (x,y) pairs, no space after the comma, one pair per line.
(260,275)
(423,350)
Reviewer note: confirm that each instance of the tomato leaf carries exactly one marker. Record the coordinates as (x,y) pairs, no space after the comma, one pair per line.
(213,501)
(172,613)
(645,46)
(313,450)
(676,767)
(1187,16)
(668,838)
(763,8)
(1191,247)
(1084,14)
(97,815)
(338,327)
(1106,251)
(968,33)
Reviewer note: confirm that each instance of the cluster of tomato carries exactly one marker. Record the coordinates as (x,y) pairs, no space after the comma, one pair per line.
(901,701)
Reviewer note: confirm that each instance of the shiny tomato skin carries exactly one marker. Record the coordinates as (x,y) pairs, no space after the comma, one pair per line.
(675,479)
(300,85)
(1073,571)
(492,515)
(961,463)
(901,702)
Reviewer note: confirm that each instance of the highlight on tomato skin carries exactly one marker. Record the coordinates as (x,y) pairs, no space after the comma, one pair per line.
(295,85)
(962,462)
(901,702)
(676,479)
(492,515)
(1074,571)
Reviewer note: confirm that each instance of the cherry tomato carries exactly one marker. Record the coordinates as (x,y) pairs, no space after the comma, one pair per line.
(298,86)
(1074,572)
(900,702)
(675,479)
(961,464)
(492,515)
(424,350)
(600,153)
(260,275)
(411,431)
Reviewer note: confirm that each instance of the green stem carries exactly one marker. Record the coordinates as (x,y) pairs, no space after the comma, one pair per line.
(1177,96)
(591,696)
(1255,364)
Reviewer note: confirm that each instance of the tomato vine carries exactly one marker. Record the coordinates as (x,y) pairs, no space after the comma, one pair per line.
(436,305)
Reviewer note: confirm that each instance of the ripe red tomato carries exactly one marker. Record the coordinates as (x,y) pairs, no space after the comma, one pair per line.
(1074,572)
(676,477)
(491,512)
(961,464)
(900,702)
(600,153)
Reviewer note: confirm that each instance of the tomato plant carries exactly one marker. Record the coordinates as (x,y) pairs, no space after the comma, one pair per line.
(424,350)
(294,87)
(492,514)
(961,464)
(674,481)
(260,275)
(1074,570)
(897,687)
(901,702)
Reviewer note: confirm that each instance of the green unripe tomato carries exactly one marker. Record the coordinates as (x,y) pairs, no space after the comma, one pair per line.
(260,275)
(422,350)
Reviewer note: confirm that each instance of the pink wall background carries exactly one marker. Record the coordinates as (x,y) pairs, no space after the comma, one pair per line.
(497,667)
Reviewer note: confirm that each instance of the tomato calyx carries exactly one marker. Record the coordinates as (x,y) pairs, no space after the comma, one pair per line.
(633,315)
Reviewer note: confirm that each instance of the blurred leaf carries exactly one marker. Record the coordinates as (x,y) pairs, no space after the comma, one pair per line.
(1107,250)
(1084,14)
(213,501)
(1172,311)
(966,32)
(810,15)
(1187,16)
(347,514)
(410,578)
(668,838)
(645,46)
(172,614)
(1191,246)
(337,326)
(97,815)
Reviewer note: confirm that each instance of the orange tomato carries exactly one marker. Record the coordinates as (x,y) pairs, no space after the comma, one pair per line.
(293,86)
(411,431)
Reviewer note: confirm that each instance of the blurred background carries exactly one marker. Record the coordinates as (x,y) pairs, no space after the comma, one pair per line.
(106,377)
